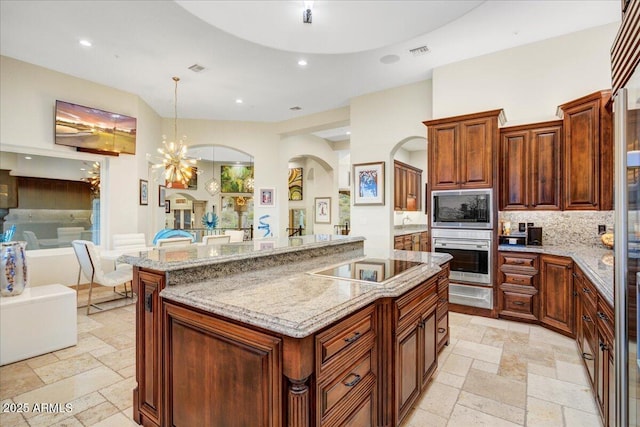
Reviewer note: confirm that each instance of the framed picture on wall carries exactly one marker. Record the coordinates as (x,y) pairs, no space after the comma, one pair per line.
(162,194)
(295,183)
(368,183)
(267,197)
(322,210)
(144,192)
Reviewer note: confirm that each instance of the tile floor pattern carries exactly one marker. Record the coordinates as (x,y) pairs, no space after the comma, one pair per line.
(493,373)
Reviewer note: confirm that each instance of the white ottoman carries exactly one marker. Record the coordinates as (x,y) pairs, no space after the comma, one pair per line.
(40,320)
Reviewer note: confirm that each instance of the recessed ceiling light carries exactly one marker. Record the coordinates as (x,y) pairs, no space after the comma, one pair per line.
(348,132)
(302,62)
(27,157)
(82,169)
(85,43)
(238,101)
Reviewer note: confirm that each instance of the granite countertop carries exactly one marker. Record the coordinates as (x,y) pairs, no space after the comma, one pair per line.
(174,258)
(288,299)
(401,230)
(595,262)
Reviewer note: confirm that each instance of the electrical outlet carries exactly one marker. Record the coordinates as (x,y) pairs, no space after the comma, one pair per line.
(602,228)
(529,224)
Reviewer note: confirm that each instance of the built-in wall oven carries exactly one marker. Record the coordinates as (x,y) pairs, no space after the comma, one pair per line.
(471,266)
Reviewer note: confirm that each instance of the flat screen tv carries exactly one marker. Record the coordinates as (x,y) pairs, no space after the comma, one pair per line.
(93,130)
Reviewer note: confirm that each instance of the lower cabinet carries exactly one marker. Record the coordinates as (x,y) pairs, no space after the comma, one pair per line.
(518,286)
(415,344)
(412,242)
(556,293)
(605,388)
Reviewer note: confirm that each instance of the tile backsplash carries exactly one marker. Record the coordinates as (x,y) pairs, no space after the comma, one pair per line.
(561,228)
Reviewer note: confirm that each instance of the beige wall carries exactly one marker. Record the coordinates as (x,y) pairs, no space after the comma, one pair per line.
(529,81)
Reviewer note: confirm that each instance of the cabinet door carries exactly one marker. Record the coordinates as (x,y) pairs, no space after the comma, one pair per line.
(513,170)
(602,380)
(611,391)
(399,191)
(556,293)
(412,190)
(148,343)
(589,347)
(544,168)
(429,344)
(205,358)
(398,242)
(476,153)
(443,156)
(408,384)
(582,156)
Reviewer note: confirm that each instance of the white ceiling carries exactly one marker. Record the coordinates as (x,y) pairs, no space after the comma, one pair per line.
(251,48)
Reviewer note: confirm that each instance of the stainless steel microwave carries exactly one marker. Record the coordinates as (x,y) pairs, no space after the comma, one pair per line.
(462,209)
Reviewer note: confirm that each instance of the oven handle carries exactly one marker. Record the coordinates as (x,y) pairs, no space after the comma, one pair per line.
(451,244)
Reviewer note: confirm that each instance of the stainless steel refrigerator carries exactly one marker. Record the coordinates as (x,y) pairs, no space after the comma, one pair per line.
(627,251)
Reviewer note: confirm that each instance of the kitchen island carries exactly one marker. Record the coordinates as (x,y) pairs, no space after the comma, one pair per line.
(263,333)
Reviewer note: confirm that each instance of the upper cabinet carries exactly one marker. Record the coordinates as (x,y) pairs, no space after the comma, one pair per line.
(530,166)
(407,187)
(461,150)
(588,153)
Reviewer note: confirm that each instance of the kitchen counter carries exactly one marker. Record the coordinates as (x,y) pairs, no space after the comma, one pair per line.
(289,300)
(401,230)
(595,262)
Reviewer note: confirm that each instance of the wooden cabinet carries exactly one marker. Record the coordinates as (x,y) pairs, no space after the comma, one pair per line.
(605,389)
(415,344)
(588,153)
(556,293)
(443,308)
(407,188)
(462,150)
(346,366)
(42,193)
(412,242)
(147,395)
(530,166)
(518,285)
(8,190)
(206,357)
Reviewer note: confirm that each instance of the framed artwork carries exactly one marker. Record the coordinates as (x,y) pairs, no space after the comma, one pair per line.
(162,194)
(369,271)
(232,178)
(323,210)
(167,206)
(144,192)
(368,184)
(267,197)
(295,183)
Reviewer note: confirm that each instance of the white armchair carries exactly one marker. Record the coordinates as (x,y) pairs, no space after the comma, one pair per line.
(235,235)
(91,268)
(174,241)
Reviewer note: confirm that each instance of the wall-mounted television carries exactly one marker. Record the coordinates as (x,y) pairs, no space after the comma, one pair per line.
(93,130)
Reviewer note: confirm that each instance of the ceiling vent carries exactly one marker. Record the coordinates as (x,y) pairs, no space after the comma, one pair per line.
(196,68)
(422,50)
(296,108)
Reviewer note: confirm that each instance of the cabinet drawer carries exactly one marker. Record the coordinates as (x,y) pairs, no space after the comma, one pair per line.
(586,289)
(588,319)
(520,260)
(443,275)
(518,304)
(333,393)
(605,319)
(408,305)
(442,330)
(336,342)
(364,415)
(518,279)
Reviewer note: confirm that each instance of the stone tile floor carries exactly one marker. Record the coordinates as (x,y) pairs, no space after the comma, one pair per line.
(493,373)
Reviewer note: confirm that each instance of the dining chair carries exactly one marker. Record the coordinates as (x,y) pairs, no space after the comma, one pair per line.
(129,241)
(31,239)
(174,241)
(215,240)
(235,235)
(91,268)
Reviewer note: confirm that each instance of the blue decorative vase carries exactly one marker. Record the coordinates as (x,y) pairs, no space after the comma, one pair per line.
(13,268)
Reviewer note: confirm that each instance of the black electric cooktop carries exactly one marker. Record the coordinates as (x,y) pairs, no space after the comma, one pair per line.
(369,269)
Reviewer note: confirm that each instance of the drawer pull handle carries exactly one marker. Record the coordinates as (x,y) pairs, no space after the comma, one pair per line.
(441,330)
(518,303)
(603,316)
(355,337)
(603,346)
(586,291)
(353,382)
(587,356)
(586,318)
(518,261)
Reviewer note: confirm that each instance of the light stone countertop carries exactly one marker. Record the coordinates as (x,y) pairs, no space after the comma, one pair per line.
(287,299)
(595,262)
(401,230)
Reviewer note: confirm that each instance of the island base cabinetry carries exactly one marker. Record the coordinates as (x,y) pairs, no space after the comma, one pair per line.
(366,369)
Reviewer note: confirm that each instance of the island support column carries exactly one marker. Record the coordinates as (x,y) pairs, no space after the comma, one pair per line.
(297,368)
